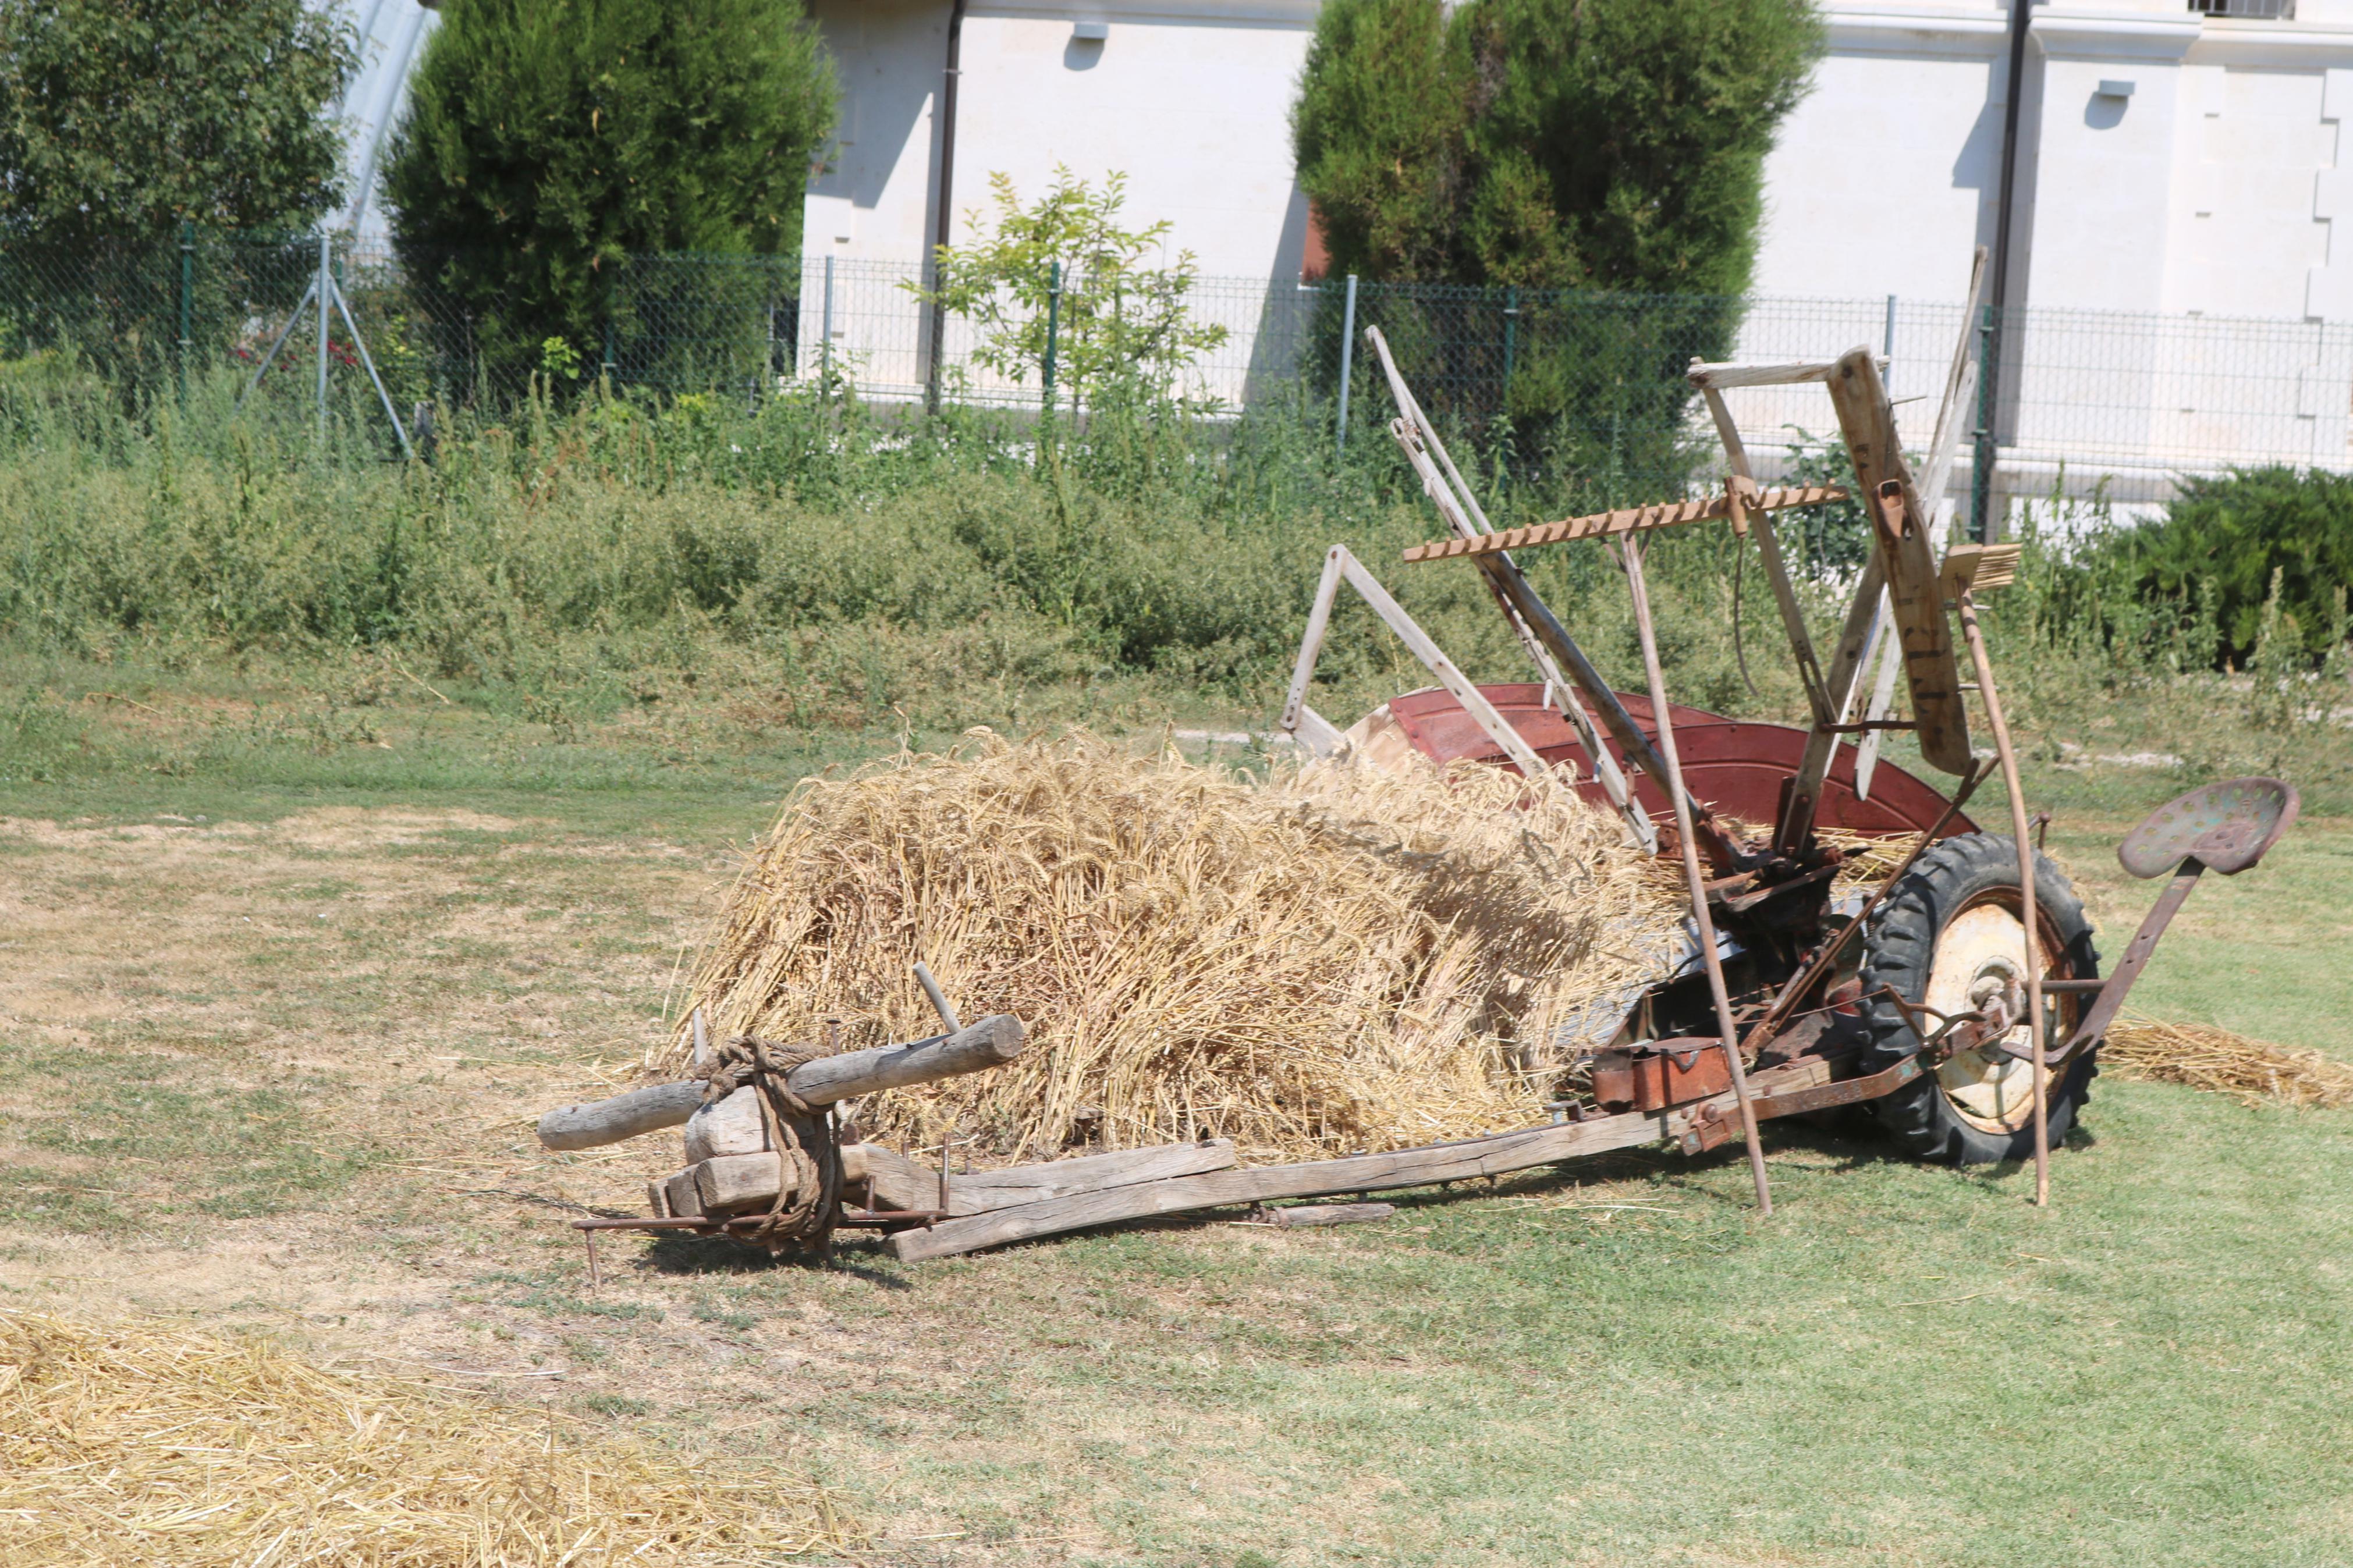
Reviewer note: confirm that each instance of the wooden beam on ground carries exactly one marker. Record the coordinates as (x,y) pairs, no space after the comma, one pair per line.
(1494,1156)
(904,1184)
(1626,519)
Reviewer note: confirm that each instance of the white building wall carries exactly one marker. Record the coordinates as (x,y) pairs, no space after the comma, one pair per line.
(1191,102)
(1882,179)
(872,195)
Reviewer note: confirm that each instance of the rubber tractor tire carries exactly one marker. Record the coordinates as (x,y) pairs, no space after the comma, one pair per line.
(1945,936)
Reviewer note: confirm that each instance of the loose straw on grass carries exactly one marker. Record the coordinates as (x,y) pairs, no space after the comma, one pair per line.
(141,1444)
(2204,1057)
(1339,961)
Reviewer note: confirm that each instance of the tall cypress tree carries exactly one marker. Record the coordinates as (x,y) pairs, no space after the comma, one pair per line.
(1550,144)
(548,140)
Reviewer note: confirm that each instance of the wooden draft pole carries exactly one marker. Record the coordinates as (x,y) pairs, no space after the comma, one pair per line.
(1630,556)
(1892,521)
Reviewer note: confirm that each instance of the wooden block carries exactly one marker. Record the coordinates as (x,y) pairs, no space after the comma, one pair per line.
(680,1197)
(658,1199)
(734,1179)
(732,1126)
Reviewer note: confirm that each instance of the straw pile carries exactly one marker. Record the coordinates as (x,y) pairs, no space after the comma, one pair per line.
(144,1444)
(2204,1057)
(1348,959)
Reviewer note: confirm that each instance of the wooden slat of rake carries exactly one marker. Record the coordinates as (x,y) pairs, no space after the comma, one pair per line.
(1627,520)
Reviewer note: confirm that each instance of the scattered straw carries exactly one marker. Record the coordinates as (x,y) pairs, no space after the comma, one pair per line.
(145,1443)
(2204,1057)
(1348,959)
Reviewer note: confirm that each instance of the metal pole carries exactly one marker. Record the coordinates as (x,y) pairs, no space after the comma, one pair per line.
(1887,338)
(359,344)
(188,299)
(1511,336)
(2029,909)
(2021,18)
(293,319)
(324,283)
(1663,722)
(1053,328)
(943,200)
(825,343)
(1981,451)
(1347,357)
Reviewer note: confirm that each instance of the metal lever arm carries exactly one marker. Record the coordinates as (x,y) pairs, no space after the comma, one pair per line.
(2111,997)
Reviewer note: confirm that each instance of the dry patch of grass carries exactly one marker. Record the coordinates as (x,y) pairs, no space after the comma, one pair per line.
(143,1442)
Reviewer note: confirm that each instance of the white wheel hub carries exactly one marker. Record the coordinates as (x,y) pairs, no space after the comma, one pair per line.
(1980,954)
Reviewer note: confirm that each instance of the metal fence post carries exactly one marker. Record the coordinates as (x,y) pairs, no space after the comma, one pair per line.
(187,301)
(1511,338)
(1887,338)
(1981,455)
(825,341)
(1347,361)
(325,282)
(1053,328)
(609,365)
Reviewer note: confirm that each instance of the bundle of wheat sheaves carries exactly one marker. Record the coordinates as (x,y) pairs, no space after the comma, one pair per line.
(1329,960)
(1337,959)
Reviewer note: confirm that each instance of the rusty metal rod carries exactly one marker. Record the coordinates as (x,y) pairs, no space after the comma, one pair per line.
(1775,1013)
(2030,912)
(1663,719)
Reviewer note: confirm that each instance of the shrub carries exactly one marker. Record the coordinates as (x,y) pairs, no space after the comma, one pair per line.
(1548,143)
(2237,532)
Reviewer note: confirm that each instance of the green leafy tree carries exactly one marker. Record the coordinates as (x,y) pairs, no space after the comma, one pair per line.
(1119,323)
(1548,143)
(546,142)
(123,119)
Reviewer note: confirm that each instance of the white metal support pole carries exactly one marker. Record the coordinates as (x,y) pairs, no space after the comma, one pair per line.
(1347,358)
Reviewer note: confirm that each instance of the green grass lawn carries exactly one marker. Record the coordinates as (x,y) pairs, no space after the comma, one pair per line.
(276,1011)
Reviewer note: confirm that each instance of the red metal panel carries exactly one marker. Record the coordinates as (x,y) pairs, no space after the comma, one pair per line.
(1735,767)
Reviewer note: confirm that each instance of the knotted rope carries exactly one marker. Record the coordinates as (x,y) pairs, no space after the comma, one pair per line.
(806,1142)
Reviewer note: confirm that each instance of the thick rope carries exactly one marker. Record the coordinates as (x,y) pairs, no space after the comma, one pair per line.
(808,1151)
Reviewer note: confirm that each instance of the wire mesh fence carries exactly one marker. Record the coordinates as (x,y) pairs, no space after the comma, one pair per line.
(1592,380)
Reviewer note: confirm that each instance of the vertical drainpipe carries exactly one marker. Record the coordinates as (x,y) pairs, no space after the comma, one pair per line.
(944,226)
(1998,340)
